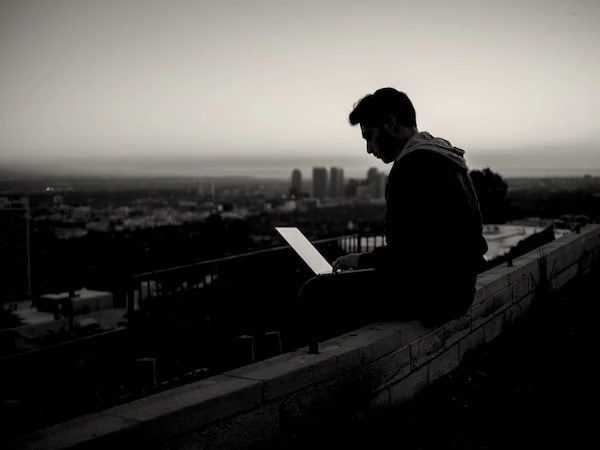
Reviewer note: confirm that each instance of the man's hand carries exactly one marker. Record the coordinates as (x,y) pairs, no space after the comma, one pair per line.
(346,262)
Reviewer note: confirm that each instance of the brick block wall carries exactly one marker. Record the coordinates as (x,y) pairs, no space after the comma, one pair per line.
(377,366)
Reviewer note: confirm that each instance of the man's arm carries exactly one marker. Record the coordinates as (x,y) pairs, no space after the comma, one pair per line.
(416,198)
(374,259)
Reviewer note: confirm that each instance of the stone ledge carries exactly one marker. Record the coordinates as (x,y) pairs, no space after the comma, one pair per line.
(426,348)
(288,373)
(207,400)
(490,282)
(172,412)
(469,342)
(521,288)
(444,363)
(567,275)
(258,424)
(512,314)
(409,386)
(389,369)
(493,328)
(456,329)
(522,268)
(389,361)
(93,431)
(526,302)
(482,312)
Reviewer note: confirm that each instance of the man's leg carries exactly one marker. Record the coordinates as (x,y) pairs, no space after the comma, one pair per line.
(340,302)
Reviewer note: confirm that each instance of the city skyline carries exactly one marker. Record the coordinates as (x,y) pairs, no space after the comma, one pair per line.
(136,88)
(509,165)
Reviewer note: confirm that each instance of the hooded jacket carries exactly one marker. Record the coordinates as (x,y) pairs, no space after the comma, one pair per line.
(434,235)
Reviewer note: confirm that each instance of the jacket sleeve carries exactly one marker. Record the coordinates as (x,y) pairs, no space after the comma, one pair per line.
(373,259)
(415,195)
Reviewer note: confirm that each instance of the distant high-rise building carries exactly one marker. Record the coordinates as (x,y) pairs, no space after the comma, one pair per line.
(350,190)
(205,190)
(14,249)
(379,192)
(336,183)
(211,189)
(375,183)
(296,185)
(372,175)
(363,192)
(319,182)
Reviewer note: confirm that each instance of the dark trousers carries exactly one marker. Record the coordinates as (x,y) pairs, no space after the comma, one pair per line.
(369,295)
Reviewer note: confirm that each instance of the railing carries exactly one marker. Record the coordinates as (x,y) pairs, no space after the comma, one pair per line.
(206,304)
(200,275)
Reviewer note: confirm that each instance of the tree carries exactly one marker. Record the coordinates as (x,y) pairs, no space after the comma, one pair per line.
(491,190)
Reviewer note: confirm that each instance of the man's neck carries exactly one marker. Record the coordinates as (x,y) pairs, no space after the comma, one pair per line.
(413,132)
(410,134)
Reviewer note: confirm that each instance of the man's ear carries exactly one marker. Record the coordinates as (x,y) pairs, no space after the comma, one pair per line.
(389,124)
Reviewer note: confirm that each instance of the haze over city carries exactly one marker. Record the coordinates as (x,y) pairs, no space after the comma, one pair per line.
(258,88)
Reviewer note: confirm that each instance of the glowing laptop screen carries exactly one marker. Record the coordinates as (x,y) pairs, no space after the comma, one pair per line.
(305,250)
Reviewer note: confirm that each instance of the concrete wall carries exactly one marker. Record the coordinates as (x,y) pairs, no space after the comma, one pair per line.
(376,366)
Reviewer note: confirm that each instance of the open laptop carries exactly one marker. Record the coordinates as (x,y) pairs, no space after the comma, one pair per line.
(305,250)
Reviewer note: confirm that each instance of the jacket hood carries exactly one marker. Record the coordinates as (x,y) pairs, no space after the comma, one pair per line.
(425,141)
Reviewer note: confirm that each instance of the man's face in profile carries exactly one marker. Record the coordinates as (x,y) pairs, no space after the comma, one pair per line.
(379,143)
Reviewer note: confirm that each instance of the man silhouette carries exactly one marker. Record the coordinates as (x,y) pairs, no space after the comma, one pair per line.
(434,238)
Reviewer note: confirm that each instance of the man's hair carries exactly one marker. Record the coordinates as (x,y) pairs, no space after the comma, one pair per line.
(372,109)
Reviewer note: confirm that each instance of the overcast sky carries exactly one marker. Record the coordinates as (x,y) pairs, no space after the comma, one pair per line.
(98,82)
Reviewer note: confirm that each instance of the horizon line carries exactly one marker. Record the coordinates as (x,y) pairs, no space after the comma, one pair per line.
(66,176)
